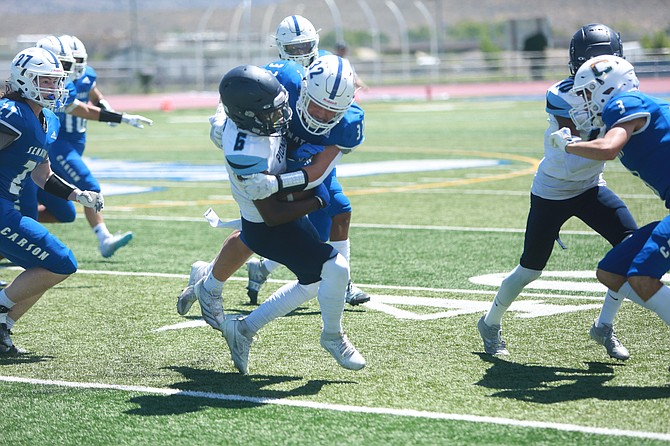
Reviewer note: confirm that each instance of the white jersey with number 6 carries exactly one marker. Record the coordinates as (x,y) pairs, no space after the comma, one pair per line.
(247,154)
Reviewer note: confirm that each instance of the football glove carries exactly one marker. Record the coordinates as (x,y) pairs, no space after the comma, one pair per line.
(217,120)
(305,152)
(259,186)
(137,121)
(91,199)
(561,138)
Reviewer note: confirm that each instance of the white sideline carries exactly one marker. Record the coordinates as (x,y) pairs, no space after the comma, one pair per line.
(345,408)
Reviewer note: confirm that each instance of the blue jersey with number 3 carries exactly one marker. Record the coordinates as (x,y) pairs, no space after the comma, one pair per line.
(647,153)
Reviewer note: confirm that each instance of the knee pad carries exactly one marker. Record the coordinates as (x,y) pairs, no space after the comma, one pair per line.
(336,270)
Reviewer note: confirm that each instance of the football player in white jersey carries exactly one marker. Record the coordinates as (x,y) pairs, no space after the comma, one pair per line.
(565,186)
(257,110)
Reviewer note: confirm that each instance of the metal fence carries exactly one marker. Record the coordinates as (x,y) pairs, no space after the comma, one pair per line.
(191,69)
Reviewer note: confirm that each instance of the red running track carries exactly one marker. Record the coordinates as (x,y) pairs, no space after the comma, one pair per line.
(536,89)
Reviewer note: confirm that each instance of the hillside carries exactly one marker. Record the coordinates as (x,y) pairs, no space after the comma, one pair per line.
(113,23)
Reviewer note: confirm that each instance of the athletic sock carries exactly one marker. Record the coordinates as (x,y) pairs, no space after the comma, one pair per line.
(510,288)
(610,308)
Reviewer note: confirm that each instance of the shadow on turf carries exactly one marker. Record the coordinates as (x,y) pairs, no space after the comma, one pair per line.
(547,385)
(222,390)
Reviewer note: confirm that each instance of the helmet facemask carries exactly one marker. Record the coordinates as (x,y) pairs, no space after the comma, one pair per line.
(597,81)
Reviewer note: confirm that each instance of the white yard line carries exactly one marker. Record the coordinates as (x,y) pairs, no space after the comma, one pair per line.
(345,408)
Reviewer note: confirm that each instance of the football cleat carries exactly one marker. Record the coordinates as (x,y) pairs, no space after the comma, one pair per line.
(238,343)
(258,275)
(605,336)
(343,351)
(355,296)
(494,344)
(112,243)
(7,347)
(187,296)
(3,284)
(211,306)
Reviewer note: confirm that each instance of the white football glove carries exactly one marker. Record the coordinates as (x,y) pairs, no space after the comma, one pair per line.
(136,120)
(217,121)
(561,138)
(91,199)
(259,186)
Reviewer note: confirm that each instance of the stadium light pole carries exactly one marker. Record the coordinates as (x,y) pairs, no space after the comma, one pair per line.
(433,36)
(266,28)
(337,20)
(200,54)
(374,32)
(402,31)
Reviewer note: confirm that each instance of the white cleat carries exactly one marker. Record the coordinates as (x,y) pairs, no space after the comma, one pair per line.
(187,296)
(238,343)
(112,243)
(211,306)
(355,296)
(343,351)
(257,276)
(494,344)
(605,336)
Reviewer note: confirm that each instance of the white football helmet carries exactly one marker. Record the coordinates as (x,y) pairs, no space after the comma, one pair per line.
(297,40)
(61,49)
(597,81)
(78,52)
(28,67)
(328,83)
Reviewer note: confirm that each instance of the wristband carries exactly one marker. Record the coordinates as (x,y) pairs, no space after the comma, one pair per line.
(58,187)
(109,116)
(293,181)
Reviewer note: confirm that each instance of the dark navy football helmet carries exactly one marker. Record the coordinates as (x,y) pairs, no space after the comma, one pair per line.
(255,100)
(593,40)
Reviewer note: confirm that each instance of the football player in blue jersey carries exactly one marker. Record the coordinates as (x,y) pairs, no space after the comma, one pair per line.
(340,127)
(67,151)
(328,116)
(297,40)
(27,127)
(638,133)
(257,113)
(565,186)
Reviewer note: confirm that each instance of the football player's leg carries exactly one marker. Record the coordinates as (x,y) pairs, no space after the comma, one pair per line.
(644,284)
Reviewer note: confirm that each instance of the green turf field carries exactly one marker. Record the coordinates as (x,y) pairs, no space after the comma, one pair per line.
(112,363)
